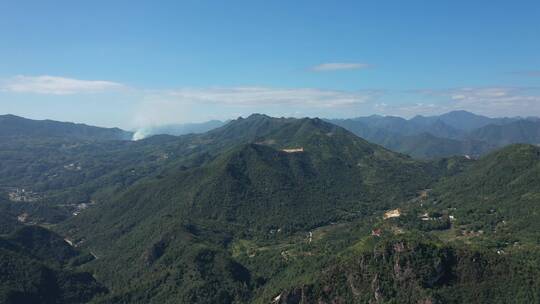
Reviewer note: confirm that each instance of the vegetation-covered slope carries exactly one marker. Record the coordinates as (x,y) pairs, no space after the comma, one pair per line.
(14,126)
(251,192)
(413,268)
(497,194)
(272,209)
(60,175)
(335,176)
(473,239)
(34,269)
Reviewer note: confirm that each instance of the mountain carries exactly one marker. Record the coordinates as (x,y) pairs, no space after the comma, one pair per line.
(457,244)
(385,123)
(268,210)
(425,146)
(398,125)
(436,138)
(461,120)
(12,126)
(453,133)
(496,195)
(415,268)
(521,131)
(292,176)
(329,170)
(418,142)
(35,269)
(56,177)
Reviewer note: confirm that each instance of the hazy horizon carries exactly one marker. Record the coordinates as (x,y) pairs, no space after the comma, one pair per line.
(164,125)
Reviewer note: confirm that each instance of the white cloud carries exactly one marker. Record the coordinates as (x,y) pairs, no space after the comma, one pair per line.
(189,104)
(181,105)
(55,85)
(156,107)
(338,66)
(260,96)
(528,73)
(491,101)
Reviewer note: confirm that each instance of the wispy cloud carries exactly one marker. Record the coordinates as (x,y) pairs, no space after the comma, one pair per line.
(528,73)
(259,96)
(144,107)
(492,101)
(53,85)
(339,66)
(159,107)
(171,106)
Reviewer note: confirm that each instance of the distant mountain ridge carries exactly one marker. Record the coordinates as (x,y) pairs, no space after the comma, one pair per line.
(519,131)
(453,133)
(15,126)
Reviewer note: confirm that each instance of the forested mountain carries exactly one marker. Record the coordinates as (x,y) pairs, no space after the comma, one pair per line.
(472,239)
(14,126)
(253,191)
(453,133)
(504,205)
(459,120)
(334,175)
(38,266)
(56,177)
(521,131)
(268,210)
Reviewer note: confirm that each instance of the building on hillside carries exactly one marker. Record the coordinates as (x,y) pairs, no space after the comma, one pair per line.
(293,150)
(392,213)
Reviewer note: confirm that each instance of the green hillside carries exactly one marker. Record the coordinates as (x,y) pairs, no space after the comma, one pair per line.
(250,192)
(266,209)
(497,195)
(35,268)
(415,268)
(12,126)
(60,174)
(472,239)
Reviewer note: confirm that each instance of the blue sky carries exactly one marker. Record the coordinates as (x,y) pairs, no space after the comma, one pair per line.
(136,63)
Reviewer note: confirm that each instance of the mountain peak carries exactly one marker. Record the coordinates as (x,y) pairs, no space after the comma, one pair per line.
(462,113)
(258,116)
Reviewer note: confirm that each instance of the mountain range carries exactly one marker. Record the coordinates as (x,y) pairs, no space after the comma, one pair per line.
(423,137)
(272,210)
(453,133)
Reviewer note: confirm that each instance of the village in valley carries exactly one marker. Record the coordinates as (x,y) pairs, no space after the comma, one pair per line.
(22,195)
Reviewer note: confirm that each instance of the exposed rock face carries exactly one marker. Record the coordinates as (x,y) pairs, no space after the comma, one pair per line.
(391,270)
(411,270)
(294,296)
